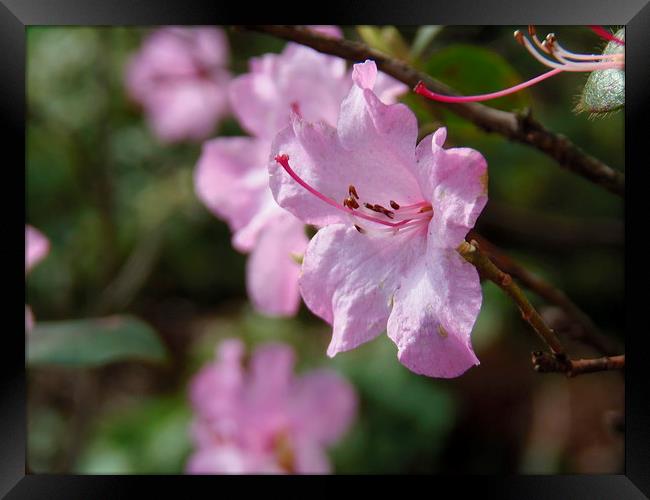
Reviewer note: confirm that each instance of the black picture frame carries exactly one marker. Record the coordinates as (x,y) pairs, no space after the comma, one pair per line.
(16,15)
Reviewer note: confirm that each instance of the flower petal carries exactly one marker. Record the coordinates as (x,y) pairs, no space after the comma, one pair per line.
(385,134)
(455,180)
(230,459)
(298,77)
(183,110)
(231,181)
(271,372)
(388,89)
(318,157)
(349,279)
(216,391)
(272,273)
(372,149)
(323,406)
(310,458)
(36,247)
(179,78)
(434,312)
(294,197)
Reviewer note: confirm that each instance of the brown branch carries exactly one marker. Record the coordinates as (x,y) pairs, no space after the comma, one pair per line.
(546,363)
(518,127)
(589,332)
(488,270)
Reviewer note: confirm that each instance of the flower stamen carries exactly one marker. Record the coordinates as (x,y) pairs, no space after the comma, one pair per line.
(564,61)
(410,216)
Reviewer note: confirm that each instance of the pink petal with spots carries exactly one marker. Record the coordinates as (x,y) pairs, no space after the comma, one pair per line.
(361,281)
(318,156)
(434,313)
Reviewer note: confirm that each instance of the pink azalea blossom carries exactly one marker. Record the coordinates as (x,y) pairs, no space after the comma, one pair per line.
(36,248)
(231,177)
(179,77)
(266,419)
(393,216)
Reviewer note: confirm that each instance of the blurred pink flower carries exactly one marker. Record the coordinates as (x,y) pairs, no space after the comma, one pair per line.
(394,215)
(265,419)
(179,77)
(36,248)
(231,177)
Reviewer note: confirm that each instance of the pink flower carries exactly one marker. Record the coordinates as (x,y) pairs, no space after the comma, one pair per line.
(394,215)
(265,419)
(179,77)
(231,177)
(36,248)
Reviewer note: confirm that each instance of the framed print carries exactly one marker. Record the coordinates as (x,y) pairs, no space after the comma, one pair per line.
(393,246)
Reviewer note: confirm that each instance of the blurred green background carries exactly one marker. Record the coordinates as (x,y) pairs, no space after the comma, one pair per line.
(128,236)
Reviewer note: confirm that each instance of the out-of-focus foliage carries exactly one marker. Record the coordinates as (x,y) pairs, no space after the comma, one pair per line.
(128,236)
(150,438)
(93,342)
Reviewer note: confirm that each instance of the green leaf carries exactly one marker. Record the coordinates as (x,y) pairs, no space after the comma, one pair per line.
(474,70)
(93,342)
(604,91)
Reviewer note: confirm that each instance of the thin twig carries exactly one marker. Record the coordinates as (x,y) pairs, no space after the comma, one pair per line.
(590,333)
(546,363)
(518,127)
(488,270)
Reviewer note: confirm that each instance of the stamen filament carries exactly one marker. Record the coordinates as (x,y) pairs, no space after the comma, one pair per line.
(422,90)
(392,230)
(416,216)
(565,61)
(568,65)
(584,57)
(283,160)
(419,204)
